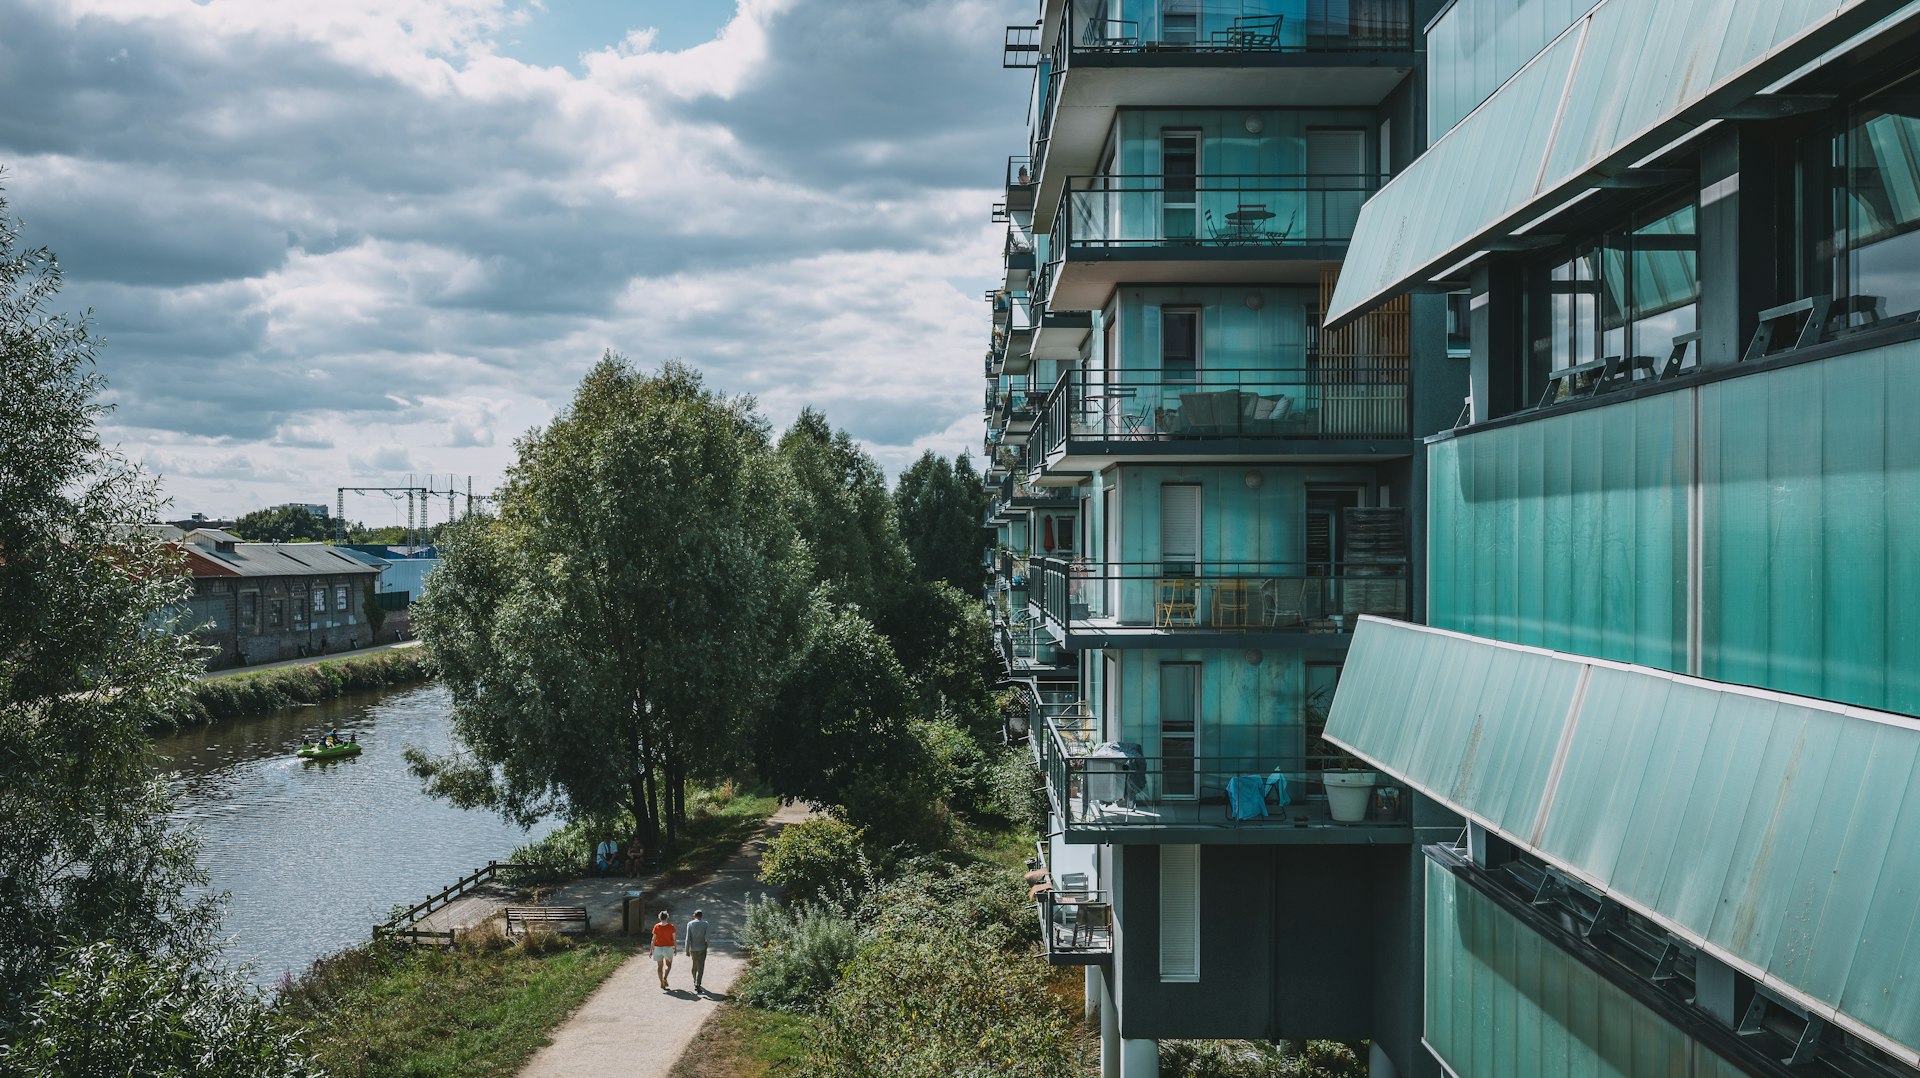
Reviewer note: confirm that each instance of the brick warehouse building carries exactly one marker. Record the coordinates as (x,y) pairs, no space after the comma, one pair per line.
(262,602)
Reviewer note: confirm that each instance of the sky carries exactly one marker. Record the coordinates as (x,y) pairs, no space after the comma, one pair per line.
(338,244)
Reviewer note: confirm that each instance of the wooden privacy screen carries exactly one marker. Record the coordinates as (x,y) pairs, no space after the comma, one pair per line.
(1361,368)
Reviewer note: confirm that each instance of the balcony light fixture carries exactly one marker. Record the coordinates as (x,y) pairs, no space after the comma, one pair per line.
(1254,656)
(1253,479)
(1254,301)
(1255,124)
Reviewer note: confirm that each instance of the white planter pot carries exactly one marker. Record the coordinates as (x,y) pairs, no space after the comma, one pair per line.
(1347,793)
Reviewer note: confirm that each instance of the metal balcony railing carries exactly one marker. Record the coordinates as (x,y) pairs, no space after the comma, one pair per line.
(1077,924)
(1218,597)
(1361,397)
(1237,26)
(1020,171)
(1113,786)
(1230,214)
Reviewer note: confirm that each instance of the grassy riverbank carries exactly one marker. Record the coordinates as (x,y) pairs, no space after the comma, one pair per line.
(238,695)
(486,1006)
(480,1009)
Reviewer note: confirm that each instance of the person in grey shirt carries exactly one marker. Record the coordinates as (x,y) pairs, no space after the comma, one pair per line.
(696,937)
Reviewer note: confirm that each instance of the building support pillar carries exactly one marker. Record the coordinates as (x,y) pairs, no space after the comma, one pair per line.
(1379,1065)
(1109,1032)
(1139,1059)
(1737,241)
(1093,994)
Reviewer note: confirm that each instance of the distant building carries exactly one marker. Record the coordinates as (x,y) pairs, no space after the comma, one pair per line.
(200,520)
(319,511)
(262,602)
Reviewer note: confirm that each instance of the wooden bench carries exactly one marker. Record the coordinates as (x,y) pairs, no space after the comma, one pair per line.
(561,918)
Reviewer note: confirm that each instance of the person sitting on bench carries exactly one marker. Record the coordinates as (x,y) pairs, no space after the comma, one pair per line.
(604,855)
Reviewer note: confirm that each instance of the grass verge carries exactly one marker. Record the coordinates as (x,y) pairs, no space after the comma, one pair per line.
(720,818)
(742,1041)
(221,698)
(480,1009)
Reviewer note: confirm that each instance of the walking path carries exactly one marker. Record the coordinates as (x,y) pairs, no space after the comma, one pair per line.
(630,1028)
(309,660)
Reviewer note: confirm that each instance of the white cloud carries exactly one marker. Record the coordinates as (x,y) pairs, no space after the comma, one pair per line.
(351,237)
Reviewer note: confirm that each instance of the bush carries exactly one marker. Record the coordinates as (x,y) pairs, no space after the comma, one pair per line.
(221,698)
(1017,793)
(106,1011)
(816,858)
(921,1001)
(1251,1059)
(798,953)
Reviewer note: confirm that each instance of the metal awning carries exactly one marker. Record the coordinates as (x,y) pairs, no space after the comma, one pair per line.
(1779,833)
(1623,81)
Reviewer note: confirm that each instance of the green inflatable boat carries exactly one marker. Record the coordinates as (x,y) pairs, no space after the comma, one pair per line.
(320,750)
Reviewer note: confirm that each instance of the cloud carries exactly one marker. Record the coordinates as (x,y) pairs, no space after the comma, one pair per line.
(305,227)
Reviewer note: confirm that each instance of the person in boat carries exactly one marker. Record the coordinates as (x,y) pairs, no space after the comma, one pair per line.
(353,739)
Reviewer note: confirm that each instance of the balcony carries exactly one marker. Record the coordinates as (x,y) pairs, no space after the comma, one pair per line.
(1204,229)
(1143,604)
(1106,791)
(1076,925)
(1092,418)
(1101,55)
(1020,184)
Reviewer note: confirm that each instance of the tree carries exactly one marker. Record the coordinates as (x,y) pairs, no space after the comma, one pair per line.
(844,732)
(370,604)
(844,513)
(285,524)
(615,630)
(88,851)
(940,506)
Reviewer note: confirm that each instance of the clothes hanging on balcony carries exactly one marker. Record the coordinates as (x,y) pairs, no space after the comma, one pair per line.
(1246,797)
(1046,534)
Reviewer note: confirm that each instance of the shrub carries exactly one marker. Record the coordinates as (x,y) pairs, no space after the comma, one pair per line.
(106,1011)
(1251,1059)
(921,1001)
(1017,793)
(221,698)
(816,858)
(798,952)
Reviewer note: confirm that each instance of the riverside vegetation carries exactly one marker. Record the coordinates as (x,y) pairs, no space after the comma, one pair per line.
(233,696)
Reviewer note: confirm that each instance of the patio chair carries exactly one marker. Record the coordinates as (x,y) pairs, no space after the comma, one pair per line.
(1093,918)
(1249,32)
(1176,603)
(1281,601)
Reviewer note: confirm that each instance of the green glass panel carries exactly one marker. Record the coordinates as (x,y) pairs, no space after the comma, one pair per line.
(1502,1001)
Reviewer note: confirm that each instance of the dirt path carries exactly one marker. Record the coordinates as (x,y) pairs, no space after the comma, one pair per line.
(632,1029)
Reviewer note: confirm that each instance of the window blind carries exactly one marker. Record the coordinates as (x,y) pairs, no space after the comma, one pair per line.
(1180,913)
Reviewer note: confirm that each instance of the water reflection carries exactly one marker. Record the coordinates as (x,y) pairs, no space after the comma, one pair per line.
(314,852)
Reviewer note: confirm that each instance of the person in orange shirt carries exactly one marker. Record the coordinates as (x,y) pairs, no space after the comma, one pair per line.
(663,943)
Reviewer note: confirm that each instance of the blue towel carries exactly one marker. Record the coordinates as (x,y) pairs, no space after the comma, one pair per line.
(1246,797)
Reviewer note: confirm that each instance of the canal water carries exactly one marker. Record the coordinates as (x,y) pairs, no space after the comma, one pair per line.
(314,853)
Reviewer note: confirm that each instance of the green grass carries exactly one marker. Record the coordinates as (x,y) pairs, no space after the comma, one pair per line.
(742,1041)
(479,1010)
(719,819)
(232,696)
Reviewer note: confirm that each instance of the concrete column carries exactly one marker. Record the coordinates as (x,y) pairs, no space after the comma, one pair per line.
(1139,1059)
(1378,1065)
(1109,1033)
(1093,993)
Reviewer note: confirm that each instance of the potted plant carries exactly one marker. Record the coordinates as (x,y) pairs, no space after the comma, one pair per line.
(1348,782)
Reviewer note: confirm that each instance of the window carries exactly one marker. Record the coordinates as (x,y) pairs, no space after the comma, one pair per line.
(340,598)
(249,609)
(1180,528)
(1628,293)
(1322,680)
(1858,232)
(1180,913)
(1179,343)
(298,601)
(1179,728)
(276,613)
(320,598)
(1180,180)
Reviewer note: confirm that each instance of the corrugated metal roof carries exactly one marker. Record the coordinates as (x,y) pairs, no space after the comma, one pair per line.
(281,559)
(1780,833)
(1626,79)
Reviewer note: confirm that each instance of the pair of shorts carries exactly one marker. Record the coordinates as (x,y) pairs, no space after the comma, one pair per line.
(663,954)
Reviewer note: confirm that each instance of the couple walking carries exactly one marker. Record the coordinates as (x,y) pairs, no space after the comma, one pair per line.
(696,947)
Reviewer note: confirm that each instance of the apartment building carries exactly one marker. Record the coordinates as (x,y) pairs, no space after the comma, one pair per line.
(1669,674)
(1201,488)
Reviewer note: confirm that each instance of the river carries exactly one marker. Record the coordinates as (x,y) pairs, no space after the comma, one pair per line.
(315,853)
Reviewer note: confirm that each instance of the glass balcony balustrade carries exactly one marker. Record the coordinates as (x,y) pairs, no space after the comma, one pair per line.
(1353,398)
(1227,215)
(1076,924)
(1112,787)
(1217,597)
